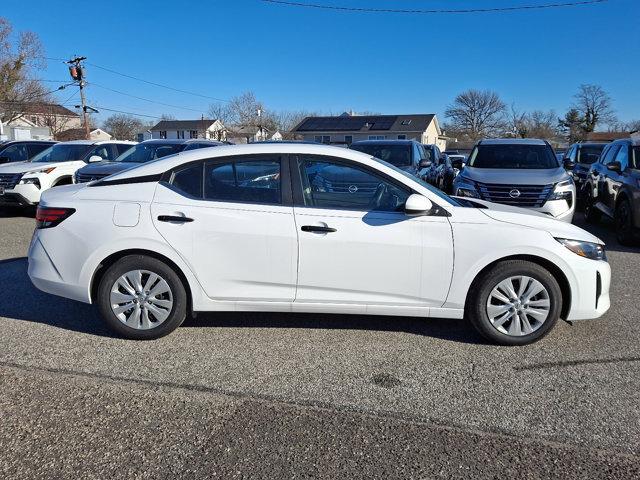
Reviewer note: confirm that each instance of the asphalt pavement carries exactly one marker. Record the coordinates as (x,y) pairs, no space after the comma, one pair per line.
(252,395)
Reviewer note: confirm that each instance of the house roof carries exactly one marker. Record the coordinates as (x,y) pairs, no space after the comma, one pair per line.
(183,124)
(607,136)
(366,123)
(35,108)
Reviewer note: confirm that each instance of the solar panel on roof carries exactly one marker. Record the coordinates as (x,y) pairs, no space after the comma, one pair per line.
(383,123)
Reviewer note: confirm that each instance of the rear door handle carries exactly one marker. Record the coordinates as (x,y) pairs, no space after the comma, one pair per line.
(317,229)
(174,219)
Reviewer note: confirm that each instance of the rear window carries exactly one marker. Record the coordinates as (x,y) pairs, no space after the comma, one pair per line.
(534,157)
(589,154)
(398,155)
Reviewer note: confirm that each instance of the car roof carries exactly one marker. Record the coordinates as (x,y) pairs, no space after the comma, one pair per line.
(31,140)
(384,142)
(96,142)
(512,141)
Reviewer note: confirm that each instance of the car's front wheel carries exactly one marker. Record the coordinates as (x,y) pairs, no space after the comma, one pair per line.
(591,213)
(142,298)
(515,303)
(624,224)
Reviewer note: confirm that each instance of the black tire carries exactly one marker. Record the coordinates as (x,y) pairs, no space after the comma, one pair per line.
(591,213)
(624,223)
(129,263)
(476,305)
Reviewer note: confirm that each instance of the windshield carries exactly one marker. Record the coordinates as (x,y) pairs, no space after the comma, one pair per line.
(63,152)
(145,152)
(398,155)
(516,156)
(589,154)
(432,189)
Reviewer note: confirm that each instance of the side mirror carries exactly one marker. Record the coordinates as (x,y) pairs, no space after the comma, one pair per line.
(569,164)
(417,205)
(95,158)
(424,163)
(457,164)
(614,166)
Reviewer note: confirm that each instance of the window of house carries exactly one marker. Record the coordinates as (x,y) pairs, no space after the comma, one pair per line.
(163,134)
(193,134)
(250,181)
(323,138)
(180,134)
(348,139)
(336,185)
(402,137)
(377,137)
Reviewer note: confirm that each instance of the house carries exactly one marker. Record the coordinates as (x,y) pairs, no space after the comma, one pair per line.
(96,134)
(348,128)
(249,133)
(36,120)
(203,128)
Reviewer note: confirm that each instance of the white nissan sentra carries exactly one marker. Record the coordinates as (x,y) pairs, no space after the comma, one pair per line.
(286,227)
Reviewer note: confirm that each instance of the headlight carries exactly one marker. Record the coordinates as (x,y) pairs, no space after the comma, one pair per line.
(562,190)
(592,251)
(465,187)
(30,181)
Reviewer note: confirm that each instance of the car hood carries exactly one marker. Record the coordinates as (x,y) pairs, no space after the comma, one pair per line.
(516,177)
(532,219)
(106,168)
(22,167)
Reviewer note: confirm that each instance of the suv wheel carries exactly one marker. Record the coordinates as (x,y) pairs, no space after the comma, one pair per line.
(142,298)
(623,222)
(515,303)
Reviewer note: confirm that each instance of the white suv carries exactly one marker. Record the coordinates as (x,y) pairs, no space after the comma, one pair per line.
(22,183)
(307,228)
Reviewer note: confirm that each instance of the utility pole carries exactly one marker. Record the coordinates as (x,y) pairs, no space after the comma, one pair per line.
(76,70)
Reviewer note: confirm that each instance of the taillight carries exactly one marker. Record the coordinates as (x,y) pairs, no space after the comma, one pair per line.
(47,217)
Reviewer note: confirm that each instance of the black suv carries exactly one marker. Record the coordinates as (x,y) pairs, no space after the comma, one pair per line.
(613,188)
(407,155)
(579,157)
(22,150)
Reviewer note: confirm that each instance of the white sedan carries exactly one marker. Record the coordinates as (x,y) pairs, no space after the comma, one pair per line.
(308,228)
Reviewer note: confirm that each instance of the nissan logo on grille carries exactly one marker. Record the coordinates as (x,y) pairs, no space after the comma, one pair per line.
(515,193)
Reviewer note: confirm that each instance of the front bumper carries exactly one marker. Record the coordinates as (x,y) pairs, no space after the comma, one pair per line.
(24,195)
(590,298)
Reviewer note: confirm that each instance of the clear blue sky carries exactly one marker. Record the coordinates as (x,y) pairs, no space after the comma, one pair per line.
(295,58)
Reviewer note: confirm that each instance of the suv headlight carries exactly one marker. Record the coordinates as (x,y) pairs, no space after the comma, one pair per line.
(562,190)
(30,181)
(592,251)
(465,187)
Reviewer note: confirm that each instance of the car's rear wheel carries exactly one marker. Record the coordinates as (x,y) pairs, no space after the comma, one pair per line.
(142,298)
(624,222)
(515,303)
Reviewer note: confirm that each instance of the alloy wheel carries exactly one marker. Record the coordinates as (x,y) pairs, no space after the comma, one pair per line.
(518,306)
(141,299)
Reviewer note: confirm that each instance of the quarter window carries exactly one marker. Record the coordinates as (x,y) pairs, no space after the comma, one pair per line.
(335,185)
(189,180)
(250,181)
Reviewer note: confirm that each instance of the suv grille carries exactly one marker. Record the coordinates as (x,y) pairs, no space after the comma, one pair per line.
(84,178)
(516,195)
(10,180)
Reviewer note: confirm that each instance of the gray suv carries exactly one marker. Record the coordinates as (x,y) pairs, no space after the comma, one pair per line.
(521,173)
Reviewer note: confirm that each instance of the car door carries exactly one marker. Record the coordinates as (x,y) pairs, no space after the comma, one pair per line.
(356,244)
(231,220)
(616,178)
(605,194)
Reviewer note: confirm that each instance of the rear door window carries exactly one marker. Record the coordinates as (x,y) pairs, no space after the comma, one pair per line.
(244,181)
(188,180)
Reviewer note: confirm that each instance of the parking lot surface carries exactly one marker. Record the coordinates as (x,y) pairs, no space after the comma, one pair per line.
(252,395)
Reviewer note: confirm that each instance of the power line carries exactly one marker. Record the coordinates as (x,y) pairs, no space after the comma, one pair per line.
(142,98)
(433,11)
(127,113)
(156,84)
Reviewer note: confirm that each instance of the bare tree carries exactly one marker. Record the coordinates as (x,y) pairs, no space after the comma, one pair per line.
(18,58)
(517,122)
(477,114)
(595,106)
(541,124)
(57,123)
(123,127)
(220,111)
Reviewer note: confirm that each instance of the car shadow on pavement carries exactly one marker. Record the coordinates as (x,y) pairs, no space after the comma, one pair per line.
(447,329)
(17,212)
(20,300)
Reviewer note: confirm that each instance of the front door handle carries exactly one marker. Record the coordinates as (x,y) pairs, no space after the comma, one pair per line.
(174,219)
(317,229)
